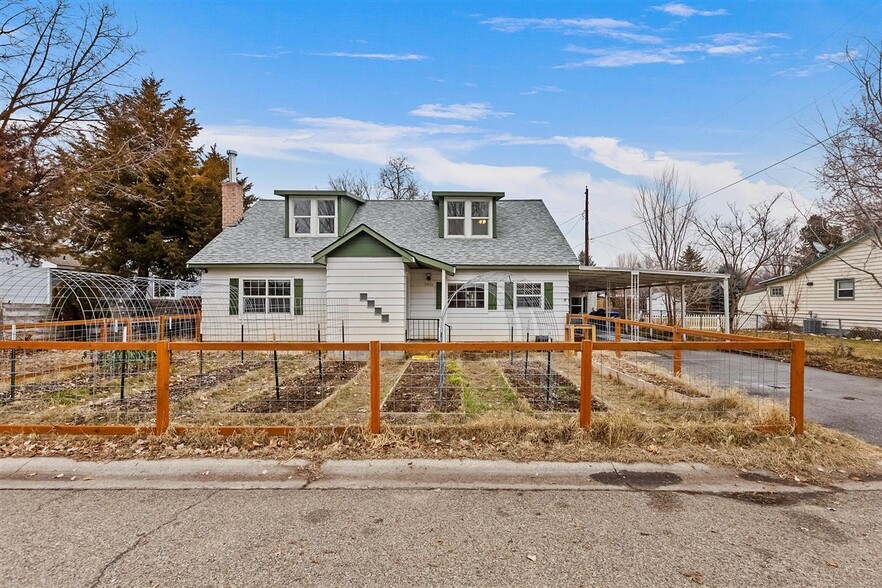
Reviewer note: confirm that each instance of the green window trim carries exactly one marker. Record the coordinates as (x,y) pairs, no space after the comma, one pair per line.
(549,295)
(509,296)
(234,296)
(438,295)
(298,296)
(491,295)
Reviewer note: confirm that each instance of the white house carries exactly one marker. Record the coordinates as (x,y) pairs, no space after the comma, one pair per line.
(329,264)
(842,285)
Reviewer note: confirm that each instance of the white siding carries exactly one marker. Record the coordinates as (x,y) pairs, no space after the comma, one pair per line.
(383,279)
(493,325)
(219,325)
(801,300)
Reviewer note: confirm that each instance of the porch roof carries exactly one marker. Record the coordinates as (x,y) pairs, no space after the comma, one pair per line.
(598,279)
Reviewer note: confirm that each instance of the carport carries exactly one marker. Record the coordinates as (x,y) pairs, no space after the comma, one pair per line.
(590,279)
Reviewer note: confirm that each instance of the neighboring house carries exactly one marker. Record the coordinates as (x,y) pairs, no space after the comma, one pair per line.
(384,269)
(840,285)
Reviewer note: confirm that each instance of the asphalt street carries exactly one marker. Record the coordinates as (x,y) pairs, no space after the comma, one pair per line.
(383,524)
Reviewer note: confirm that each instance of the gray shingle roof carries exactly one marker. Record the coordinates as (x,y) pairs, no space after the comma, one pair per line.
(526,235)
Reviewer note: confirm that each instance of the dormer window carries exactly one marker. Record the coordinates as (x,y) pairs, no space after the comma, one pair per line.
(468,218)
(313,217)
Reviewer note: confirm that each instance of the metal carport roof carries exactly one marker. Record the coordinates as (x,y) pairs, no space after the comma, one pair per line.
(598,279)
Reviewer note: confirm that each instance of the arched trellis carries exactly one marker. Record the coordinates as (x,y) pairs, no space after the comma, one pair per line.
(535,322)
(54,304)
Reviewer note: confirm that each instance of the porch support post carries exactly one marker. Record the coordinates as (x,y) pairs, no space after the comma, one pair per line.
(683,305)
(726,305)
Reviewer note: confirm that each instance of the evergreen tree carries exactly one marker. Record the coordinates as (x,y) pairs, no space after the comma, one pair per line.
(691,261)
(817,230)
(696,294)
(152,200)
(582,259)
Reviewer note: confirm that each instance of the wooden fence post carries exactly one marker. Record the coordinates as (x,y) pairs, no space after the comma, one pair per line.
(585,392)
(797,385)
(375,386)
(678,355)
(163,373)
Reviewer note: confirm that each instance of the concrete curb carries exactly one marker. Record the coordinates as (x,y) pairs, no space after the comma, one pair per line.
(52,473)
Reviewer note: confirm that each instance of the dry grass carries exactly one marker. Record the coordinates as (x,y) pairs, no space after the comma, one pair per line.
(855,356)
(496,424)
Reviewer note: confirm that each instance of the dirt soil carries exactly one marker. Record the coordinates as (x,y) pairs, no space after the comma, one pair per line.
(306,390)
(417,390)
(565,395)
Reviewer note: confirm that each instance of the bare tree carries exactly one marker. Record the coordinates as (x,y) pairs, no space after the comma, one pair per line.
(853,155)
(397,180)
(355,183)
(58,64)
(666,208)
(745,242)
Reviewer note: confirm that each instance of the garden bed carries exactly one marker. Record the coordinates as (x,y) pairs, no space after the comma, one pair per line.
(305,390)
(556,393)
(417,390)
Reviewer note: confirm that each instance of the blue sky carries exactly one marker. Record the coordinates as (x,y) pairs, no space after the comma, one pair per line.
(536,99)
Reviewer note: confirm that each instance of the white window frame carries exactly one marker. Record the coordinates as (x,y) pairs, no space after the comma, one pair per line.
(314,218)
(468,218)
(519,296)
(266,297)
(836,288)
(453,286)
(776,291)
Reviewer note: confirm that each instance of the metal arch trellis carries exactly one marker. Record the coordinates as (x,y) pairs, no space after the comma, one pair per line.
(530,320)
(63,304)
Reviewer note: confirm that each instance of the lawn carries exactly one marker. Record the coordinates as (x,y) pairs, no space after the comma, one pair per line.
(857,357)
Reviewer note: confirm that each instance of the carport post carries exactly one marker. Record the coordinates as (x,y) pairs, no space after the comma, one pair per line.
(797,385)
(683,305)
(726,305)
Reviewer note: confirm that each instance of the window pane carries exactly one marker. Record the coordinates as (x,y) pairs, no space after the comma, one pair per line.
(255,305)
(469,297)
(480,208)
(480,226)
(280,305)
(254,287)
(300,207)
(456,209)
(455,226)
(301,225)
(326,207)
(527,289)
(280,287)
(326,226)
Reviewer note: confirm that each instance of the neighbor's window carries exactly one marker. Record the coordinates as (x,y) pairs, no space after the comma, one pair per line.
(845,289)
(313,216)
(468,218)
(776,291)
(266,296)
(529,295)
(468,297)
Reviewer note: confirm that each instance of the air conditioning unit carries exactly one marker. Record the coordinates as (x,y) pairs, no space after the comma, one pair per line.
(812,326)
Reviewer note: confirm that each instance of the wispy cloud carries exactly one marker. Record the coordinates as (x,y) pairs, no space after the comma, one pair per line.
(468,111)
(823,62)
(684,10)
(724,44)
(275,54)
(607,27)
(542,90)
(840,57)
(377,56)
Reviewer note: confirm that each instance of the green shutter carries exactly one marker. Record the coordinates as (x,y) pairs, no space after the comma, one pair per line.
(491,296)
(438,295)
(298,296)
(549,295)
(509,295)
(441,212)
(287,217)
(234,295)
(493,220)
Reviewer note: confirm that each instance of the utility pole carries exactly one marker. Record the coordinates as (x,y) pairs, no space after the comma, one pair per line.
(585,260)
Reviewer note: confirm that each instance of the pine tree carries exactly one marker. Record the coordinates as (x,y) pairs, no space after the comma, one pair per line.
(152,200)
(696,294)
(817,230)
(582,259)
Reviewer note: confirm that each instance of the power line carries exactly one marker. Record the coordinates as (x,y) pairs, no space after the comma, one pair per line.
(727,186)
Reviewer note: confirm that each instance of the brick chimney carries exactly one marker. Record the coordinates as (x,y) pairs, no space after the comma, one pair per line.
(232,196)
